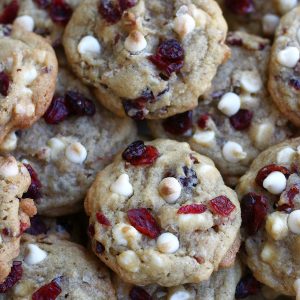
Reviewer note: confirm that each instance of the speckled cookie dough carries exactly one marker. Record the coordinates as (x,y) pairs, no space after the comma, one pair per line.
(270,197)
(284,80)
(57,269)
(75,139)
(14,211)
(28,70)
(236,119)
(160,213)
(146,58)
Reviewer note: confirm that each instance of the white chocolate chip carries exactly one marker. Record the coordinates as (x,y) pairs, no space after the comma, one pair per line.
(184,24)
(183,9)
(270,23)
(251,81)
(56,145)
(167,243)
(276,225)
(129,261)
(89,45)
(275,183)
(122,186)
(296,286)
(76,153)
(285,155)
(233,152)
(199,16)
(28,75)
(288,57)
(34,254)
(294,221)
(179,293)
(125,234)
(135,42)
(26,22)
(9,167)
(30,109)
(285,6)
(268,253)
(9,143)
(170,189)
(261,134)
(193,222)
(229,104)
(204,138)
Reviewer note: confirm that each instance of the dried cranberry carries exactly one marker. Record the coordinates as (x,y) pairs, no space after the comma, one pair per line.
(289,195)
(222,206)
(192,209)
(77,104)
(43,3)
(137,153)
(190,180)
(110,12)
(254,209)
(60,12)
(169,56)
(267,170)
(99,248)
(10,12)
(6,231)
(295,83)
(49,291)
(202,121)
(138,293)
(37,226)
(34,190)
(14,276)
(57,111)
(4,84)
(125,4)
(23,227)
(247,286)
(142,220)
(232,40)
(240,7)
(91,230)
(102,219)
(179,124)
(241,120)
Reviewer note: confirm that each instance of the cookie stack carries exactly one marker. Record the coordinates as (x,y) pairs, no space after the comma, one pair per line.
(146,152)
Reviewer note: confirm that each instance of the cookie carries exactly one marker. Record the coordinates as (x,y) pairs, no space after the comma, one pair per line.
(269,193)
(236,119)
(57,269)
(161,208)
(75,139)
(28,70)
(146,58)
(284,79)
(14,211)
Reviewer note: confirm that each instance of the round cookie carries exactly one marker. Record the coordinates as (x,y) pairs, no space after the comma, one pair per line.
(236,119)
(14,211)
(284,78)
(161,208)
(75,139)
(56,268)
(270,195)
(28,70)
(146,58)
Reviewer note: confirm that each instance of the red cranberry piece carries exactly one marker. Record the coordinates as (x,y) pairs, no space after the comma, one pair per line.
(240,7)
(79,105)
(247,286)
(110,12)
(60,12)
(169,56)
(138,293)
(37,226)
(49,291)
(295,83)
(241,120)
(289,195)
(14,276)
(142,220)
(102,219)
(126,4)
(43,3)
(6,231)
(265,171)
(192,209)
(222,206)
(23,227)
(179,124)
(137,153)
(10,12)
(254,209)
(99,248)
(57,111)
(91,230)
(190,180)
(4,84)
(34,190)
(202,121)
(233,40)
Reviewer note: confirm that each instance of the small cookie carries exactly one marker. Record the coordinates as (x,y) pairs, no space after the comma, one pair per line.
(270,197)
(236,119)
(75,139)
(284,79)
(28,70)
(161,208)
(146,58)
(14,211)
(57,269)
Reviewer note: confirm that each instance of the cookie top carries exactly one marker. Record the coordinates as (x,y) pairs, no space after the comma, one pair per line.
(75,139)
(284,80)
(236,119)
(14,211)
(220,286)
(270,201)
(161,208)
(28,70)
(61,269)
(163,48)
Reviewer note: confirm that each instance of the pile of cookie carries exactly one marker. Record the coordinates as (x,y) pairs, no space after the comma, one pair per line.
(149,149)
